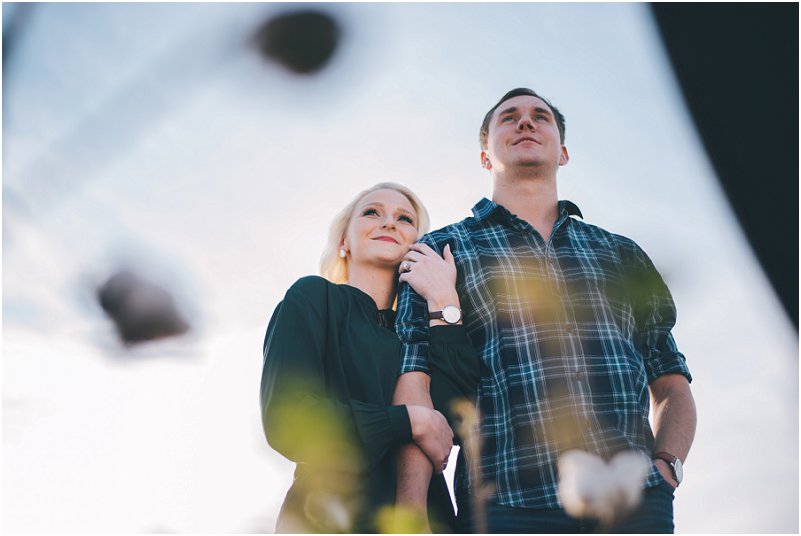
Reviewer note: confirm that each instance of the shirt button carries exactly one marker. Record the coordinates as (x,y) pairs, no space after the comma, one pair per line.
(579,375)
(570,328)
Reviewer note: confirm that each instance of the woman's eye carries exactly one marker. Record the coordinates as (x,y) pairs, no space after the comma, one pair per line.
(370,212)
(407,219)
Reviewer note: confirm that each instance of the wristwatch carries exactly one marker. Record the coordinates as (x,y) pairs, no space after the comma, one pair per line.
(675,465)
(450,314)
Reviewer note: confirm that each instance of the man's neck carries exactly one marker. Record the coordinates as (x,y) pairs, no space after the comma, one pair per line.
(531,198)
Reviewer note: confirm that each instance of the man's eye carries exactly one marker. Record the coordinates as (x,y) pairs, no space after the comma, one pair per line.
(542,117)
(507,118)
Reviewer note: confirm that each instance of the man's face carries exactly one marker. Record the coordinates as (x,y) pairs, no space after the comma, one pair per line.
(523,132)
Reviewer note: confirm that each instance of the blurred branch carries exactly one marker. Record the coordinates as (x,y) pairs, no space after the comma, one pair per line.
(16,17)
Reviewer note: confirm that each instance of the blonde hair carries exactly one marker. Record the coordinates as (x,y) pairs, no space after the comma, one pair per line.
(332,266)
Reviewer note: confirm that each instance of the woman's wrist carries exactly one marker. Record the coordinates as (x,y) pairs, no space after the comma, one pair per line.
(437,303)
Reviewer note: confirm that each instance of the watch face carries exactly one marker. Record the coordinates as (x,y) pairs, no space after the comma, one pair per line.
(679,470)
(451,314)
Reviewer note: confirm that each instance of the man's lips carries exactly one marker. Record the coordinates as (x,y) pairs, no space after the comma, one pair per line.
(521,140)
(386,239)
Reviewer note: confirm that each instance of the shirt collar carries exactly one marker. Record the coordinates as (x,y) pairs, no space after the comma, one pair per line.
(485,208)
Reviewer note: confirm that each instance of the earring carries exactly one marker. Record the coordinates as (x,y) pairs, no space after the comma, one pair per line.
(342,253)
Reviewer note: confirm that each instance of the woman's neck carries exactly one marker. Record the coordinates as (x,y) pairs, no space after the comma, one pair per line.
(377,283)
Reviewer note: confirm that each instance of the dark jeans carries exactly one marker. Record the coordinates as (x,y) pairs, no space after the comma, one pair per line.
(653,516)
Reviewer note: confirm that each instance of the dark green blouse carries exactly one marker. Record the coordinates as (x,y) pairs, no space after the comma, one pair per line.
(329,374)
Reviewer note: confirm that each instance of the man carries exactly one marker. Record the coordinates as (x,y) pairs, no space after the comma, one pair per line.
(573,326)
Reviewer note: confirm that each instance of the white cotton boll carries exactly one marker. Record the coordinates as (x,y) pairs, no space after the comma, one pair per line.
(630,469)
(589,487)
(328,512)
(579,480)
(338,516)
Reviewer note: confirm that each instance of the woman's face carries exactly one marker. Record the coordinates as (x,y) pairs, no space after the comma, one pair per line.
(382,227)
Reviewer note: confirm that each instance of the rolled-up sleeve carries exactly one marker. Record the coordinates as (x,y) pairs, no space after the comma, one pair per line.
(655,314)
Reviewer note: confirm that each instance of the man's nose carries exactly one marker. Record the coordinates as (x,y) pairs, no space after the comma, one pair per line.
(525,122)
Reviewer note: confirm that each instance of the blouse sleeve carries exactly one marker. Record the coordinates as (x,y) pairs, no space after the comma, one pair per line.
(301,419)
(455,369)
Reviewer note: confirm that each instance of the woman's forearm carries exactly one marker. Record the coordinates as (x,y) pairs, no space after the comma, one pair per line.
(413,466)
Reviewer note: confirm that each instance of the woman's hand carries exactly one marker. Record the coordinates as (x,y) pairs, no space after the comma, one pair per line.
(432,434)
(431,276)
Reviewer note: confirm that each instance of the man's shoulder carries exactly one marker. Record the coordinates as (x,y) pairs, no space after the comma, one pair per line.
(460,230)
(599,239)
(601,234)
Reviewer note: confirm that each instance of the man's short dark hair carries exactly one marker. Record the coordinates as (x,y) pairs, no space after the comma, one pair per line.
(484,132)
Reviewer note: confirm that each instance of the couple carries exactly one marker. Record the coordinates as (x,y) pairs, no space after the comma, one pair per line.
(558,330)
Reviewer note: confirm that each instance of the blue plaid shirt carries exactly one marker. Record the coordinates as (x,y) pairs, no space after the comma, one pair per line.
(571,332)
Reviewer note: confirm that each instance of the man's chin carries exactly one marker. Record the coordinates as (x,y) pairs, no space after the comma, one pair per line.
(531,162)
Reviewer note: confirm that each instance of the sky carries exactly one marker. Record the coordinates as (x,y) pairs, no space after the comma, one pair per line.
(154,137)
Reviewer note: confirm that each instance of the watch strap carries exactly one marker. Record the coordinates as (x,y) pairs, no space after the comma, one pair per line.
(440,315)
(676,470)
(668,457)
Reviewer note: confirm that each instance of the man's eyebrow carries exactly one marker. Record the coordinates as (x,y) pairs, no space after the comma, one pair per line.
(513,109)
(509,110)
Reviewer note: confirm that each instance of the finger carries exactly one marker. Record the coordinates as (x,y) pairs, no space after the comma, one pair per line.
(413,256)
(448,256)
(440,467)
(424,249)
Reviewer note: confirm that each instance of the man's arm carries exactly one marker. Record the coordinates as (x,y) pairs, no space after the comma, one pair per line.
(673,405)
(434,277)
(674,419)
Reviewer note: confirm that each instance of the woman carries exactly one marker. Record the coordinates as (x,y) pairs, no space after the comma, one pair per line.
(331,359)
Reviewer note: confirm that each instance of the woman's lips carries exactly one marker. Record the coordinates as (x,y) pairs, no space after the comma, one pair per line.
(386,239)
